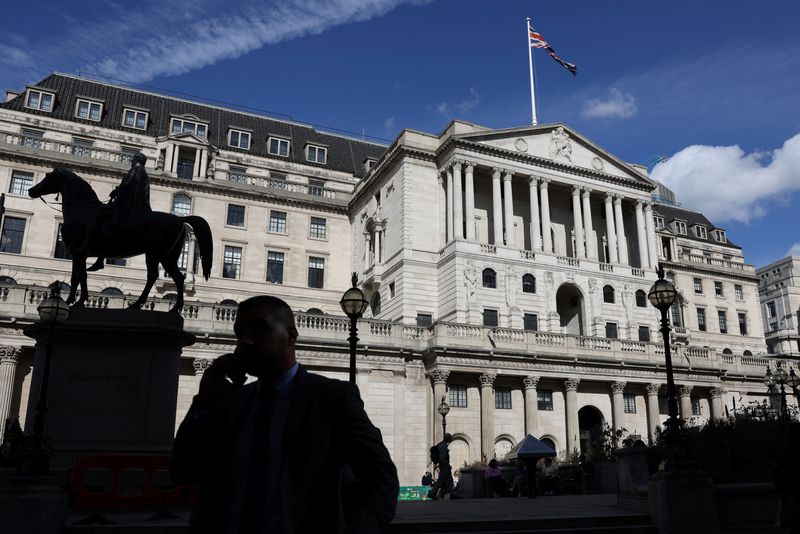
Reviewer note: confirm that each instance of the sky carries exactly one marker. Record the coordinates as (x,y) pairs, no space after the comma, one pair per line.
(713,86)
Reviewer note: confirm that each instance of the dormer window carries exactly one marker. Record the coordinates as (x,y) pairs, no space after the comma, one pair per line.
(39,100)
(239,139)
(134,118)
(187,126)
(659,221)
(278,147)
(368,164)
(680,227)
(89,110)
(720,236)
(316,154)
(700,231)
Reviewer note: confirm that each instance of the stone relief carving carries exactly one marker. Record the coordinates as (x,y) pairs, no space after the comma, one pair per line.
(530,381)
(160,161)
(560,145)
(471,281)
(521,145)
(617,387)
(439,376)
(511,286)
(212,165)
(200,365)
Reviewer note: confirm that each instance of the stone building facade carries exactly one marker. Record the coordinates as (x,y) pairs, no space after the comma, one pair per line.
(506,270)
(779,289)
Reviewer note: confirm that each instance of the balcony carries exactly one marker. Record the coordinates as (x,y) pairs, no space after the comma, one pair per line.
(718,263)
(67,149)
(283,185)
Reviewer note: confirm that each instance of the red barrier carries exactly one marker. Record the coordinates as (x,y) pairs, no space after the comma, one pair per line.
(119,495)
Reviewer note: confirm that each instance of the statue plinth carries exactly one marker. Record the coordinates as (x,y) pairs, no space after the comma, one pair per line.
(113,382)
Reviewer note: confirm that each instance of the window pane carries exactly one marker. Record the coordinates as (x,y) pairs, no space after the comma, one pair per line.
(244,141)
(20,182)
(502,398)
(232,262)
(189,127)
(743,324)
(458,396)
(644,333)
(315,187)
(701,319)
(201,130)
(183,259)
(544,399)
(611,330)
(528,284)
(424,319)
(318,229)
(234,138)
(235,215)
(176,126)
(696,407)
(630,402)
(489,278)
(489,317)
(83,110)
(530,322)
(181,205)
(33,99)
(141,120)
(277,222)
(47,101)
(237,174)
(723,322)
(129,119)
(11,235)
(316,272)
(275,267)
(94,112)
(61,251)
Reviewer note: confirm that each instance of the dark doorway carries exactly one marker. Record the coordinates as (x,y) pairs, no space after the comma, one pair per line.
(590,425)
(569,304)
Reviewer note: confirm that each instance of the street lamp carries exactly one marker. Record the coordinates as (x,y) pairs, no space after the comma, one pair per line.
(779,380)
(353,305)
(662,295)
(443,410)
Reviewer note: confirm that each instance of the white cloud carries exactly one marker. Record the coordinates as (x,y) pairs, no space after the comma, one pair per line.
(727,184)
(450,110)
(794,250)
(390,123)
(618,105)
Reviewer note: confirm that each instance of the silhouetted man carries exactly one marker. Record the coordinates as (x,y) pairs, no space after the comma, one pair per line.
(444,481)
(268,456)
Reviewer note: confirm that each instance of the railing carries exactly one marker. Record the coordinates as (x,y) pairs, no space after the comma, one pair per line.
(637,272)
(62,147)
(488,249)
(717,262)
(279,184)
(527,254)
(565,260)
(607,267)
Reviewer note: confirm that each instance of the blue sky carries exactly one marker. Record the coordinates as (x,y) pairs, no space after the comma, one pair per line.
(714,84)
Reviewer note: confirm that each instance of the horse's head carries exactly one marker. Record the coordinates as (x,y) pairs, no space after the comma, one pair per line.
(52,183)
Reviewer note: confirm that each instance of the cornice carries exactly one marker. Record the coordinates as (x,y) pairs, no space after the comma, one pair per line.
(385,162)
(718,273)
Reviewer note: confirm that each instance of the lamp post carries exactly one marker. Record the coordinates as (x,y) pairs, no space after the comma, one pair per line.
(353,305)
(779,380)
(662,296)
(443,410)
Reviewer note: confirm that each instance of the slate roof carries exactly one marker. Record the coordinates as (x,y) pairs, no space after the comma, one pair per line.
(670,213)
(344,154)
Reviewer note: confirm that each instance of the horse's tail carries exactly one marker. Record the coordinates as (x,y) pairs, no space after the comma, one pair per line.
(203,233)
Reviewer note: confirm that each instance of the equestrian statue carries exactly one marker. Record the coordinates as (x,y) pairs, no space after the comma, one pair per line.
(124,227)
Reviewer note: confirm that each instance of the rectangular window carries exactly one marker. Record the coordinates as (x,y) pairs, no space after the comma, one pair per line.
(82,147)
(530,322)
(771,312)
(698,285)
(132,118)
(544,400)
(701,232)
(85,109)
(659,221)
(237,174)
(316,272)
(318,228)
(119,262)
(502,398)
(696,406)
(701,319)
(11,235)
(183,259)
(232,262)
(663,408)
(737,289)
(676,315)
(611,330)
(489,317)
(644,333)
(277,222)
(277,181)
(316,187)
(239,139)
(184,126)
(743,324)
(127,153)
(680,227)
(723,322)
(275,267)
(316,154)
(39,100)
(424,319)
(32,138)
(720,236)
(391,290)
(718,289)
(278,146)
(61,251)
(630,402)
(20,182)
(235,215)
(458,396)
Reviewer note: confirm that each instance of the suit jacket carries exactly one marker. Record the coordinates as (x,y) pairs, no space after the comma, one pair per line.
(326,430)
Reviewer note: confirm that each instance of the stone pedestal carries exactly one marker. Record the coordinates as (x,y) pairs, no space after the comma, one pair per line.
(113,382)
(683,500)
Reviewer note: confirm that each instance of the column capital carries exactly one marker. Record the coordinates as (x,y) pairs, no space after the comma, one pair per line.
(10,354)
(439,376)
(609,198)
(456,165)
(716,393)
(507,175)
(496,171)
(617,200)
(576,190)
(639,204)
(571,384)
(470,166)
(200,365)
(487,379)
(653,389)
(533,180)
(617,387)
(530,382)
(587,191)
(544,182)
(685,391)
(648,206)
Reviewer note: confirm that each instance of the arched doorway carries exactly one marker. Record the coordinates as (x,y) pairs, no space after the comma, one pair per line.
(590,425)
(459,452)
(502,445)
(569,304)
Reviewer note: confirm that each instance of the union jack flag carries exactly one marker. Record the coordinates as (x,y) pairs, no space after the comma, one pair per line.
(537,41)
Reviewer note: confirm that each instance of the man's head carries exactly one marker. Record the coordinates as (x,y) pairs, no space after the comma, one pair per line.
(266,336)
(448,438)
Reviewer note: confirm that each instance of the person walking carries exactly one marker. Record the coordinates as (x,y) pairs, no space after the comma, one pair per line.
(440,456)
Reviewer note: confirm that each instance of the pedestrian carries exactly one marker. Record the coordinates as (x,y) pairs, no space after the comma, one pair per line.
(495,483)
(549,477)
(440,456)
(269,456)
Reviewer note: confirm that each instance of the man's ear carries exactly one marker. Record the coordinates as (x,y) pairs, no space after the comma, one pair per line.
(292,332)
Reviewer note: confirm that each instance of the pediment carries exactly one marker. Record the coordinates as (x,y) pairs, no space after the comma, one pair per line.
(559,144)
(188,137)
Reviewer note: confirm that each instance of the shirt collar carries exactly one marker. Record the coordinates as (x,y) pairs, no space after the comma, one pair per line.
(283,383)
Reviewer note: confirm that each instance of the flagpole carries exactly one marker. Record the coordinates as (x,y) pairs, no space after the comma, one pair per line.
(530,65)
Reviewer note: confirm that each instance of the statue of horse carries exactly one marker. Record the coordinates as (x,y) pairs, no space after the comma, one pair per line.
(87,232)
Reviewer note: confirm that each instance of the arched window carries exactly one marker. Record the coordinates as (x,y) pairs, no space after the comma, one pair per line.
(528,283)
(376,304)
(727,351)
(548,442)
(112,292)
(7,281)
(608,294)
(229,302)
(315,311)
(747,353)
(641,299)
(489,278)
(182,205)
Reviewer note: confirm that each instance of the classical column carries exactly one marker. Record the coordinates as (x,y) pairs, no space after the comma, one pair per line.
(652,245)
(196,168)
(685,396)
(174,163)
(369,258)
(169,158)
(717,411)
(577,223)
(497,207)
(450,204)
(439,379)
(611,236)
(618,404)
(653,415)
(622,241)
(203,163)
(588,228)
(458,203)
(487,415)
(378,230)
(641,234)
(536,230)
(571,402)
(511,234)
(9,358)
(442,211)
(469,193)
(200,365)
(547,238)
(531,404)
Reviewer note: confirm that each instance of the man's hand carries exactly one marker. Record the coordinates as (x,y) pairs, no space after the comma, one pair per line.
(225,375)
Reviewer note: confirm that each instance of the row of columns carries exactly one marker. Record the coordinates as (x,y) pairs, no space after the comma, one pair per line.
(372,242)
(530,395)
(9,358)
(200,160)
